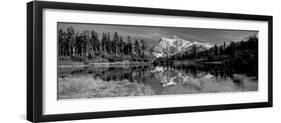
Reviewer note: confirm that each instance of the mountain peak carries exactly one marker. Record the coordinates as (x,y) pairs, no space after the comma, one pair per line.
(171,46)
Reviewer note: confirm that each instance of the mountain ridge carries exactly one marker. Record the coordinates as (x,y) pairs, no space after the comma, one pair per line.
(166,47)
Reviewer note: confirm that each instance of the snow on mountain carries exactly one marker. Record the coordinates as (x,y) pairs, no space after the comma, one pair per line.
(171,46)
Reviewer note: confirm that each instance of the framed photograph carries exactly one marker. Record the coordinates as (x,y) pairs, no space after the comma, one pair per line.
(88,61)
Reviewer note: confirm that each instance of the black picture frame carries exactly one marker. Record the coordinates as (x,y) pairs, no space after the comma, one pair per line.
(35,69)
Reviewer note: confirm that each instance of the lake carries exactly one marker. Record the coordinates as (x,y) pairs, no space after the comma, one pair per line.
(146,80)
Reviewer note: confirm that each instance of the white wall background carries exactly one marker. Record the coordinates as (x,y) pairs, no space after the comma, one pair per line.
(13,61)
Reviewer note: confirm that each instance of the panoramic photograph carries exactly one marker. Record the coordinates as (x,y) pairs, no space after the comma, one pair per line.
(106,61)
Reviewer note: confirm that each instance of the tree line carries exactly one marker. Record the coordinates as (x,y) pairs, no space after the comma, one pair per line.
(88,45)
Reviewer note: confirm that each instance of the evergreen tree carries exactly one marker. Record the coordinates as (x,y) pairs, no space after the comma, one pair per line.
(216,49)
(136,48)
(194,51)
(143,48)
(103,43)
(129,46)
(71,40)
(88,45)
(62,43)
(121,45)
(115,43)
(95,41)
(108,43)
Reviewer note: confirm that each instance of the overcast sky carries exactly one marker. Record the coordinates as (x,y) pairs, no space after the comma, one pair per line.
(153,34)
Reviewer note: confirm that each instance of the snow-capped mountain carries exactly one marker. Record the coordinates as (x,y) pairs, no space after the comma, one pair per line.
(171,46)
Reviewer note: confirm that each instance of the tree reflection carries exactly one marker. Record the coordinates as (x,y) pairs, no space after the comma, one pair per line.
(142,74)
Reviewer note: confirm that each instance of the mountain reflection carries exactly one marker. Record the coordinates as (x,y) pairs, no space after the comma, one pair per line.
(178,79)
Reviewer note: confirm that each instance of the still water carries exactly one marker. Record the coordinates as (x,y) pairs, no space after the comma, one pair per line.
(144,80)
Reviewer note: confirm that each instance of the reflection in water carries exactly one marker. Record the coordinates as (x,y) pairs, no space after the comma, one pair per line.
(151,80)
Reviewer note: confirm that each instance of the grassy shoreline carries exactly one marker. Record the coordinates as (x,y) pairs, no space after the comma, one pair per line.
(86,87)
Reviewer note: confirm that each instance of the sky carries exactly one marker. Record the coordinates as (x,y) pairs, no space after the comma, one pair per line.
(152,34)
